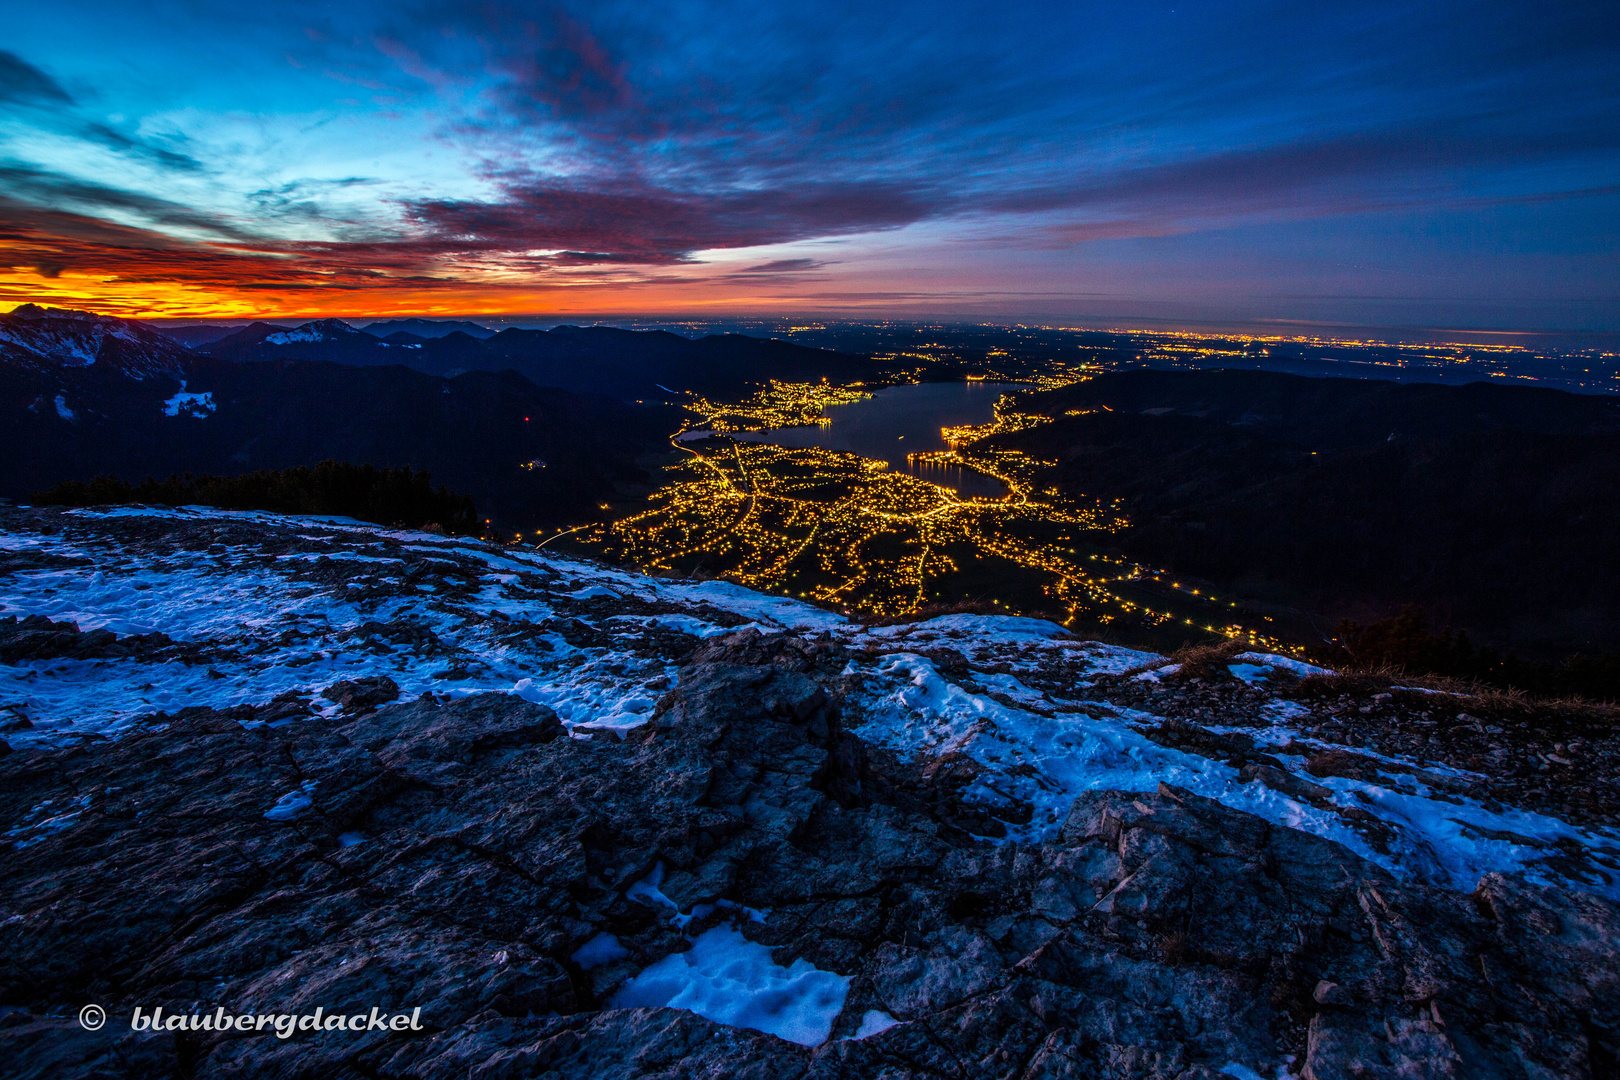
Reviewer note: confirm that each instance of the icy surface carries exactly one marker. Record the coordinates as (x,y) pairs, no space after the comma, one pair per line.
(1243,1072)
(298,604)
(1045,761)
(731,980)
(1250,673)
(477,619)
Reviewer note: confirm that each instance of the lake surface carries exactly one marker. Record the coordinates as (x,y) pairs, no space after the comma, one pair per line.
(903,420)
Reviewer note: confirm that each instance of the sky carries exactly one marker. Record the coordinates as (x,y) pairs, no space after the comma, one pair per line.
(1444,164)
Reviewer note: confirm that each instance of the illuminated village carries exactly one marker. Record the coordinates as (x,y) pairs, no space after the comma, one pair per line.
(850,533)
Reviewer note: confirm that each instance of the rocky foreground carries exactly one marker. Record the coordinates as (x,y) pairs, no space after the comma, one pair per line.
(596,825)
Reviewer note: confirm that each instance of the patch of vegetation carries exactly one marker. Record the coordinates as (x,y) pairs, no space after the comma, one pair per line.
(402,496)
(1405,643)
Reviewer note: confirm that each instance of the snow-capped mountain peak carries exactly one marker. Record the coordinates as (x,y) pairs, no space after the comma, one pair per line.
(316,330)
(57,338)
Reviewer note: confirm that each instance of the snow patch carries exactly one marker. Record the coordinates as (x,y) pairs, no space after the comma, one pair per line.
(293,803)
(197,405)
(726,978)
(1286,663)
(773,611)
(1010,629)
(874,1022)
(1250,673)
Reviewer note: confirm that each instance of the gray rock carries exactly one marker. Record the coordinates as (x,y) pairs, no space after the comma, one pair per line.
(1160,937)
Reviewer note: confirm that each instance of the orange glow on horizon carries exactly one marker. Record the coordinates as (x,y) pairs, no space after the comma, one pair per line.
(107,294)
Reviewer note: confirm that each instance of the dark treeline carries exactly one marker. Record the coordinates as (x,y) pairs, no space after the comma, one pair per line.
(1405,642)
(399,496)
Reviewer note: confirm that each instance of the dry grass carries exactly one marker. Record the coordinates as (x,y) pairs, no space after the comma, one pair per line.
(1205,661)
(1468,696)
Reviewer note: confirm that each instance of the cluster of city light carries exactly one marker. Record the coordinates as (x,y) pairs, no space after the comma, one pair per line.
(778,405)
(1005,422)
(835,528)
(846,531)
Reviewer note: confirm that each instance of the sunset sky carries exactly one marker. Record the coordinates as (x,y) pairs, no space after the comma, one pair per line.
(1436,164)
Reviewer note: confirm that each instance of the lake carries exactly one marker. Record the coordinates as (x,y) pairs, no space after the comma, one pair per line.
(903,420)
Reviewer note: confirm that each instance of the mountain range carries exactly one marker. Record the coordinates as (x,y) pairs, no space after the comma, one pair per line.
(46,340)
(645,365)
(428,328)
(541,428)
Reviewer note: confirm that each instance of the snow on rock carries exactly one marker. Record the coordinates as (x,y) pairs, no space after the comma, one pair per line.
(233,609)
(320,330)
(874,1022)
(293,803)
(1250,673)
(591,591)
(724,976)
(197,405)
(1286,663)
(1044,762)
(1004,628)
(772,611)
(731,980)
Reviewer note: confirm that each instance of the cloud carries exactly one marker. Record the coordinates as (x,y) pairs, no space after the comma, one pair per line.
(22,81)
(33,189)
(637,222)
(154,154)
(1433,166)
(553,65)
(784,266)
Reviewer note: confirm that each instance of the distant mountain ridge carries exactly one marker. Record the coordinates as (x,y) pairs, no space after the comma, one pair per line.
(47,339)
(540,427)
(197,334)
(84,395)
(633,365)
(428,328)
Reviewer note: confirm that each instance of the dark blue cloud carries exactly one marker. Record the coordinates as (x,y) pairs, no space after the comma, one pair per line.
(22,81)
(640,222)
(720,118)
